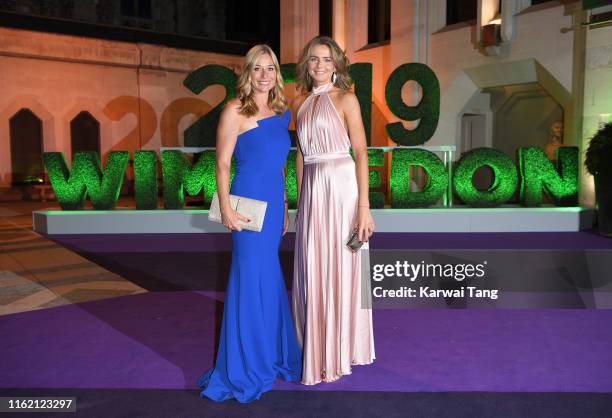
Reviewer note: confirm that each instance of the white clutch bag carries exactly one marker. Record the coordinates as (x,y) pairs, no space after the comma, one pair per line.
(253,209)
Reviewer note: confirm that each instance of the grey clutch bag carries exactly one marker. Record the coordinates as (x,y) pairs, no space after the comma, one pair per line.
(253,209)
(353,243)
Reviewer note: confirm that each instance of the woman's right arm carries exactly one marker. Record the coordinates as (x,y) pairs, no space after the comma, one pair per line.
(227,135)
(299,158)
(299,169)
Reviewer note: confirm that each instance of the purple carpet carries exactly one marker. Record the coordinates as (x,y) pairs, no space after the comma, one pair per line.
(167,339)
(421,241)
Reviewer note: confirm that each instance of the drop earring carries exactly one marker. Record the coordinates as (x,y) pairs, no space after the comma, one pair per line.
(334,77)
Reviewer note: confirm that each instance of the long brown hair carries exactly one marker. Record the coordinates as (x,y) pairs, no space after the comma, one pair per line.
(276,97)
(341,62)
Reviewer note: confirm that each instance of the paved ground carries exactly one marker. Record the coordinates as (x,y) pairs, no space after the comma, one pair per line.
(37,273)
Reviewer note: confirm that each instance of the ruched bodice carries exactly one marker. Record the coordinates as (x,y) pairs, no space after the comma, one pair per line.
(319,127)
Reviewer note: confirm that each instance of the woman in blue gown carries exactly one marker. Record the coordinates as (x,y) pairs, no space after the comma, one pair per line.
(257,341)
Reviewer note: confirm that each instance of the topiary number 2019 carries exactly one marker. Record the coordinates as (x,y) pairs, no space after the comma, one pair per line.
(426,112)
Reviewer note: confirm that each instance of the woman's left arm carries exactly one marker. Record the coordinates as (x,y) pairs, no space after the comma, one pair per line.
(354,124)
(286,216)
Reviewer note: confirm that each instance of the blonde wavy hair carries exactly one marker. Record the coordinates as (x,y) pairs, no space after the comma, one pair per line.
(339,58)
(276,97)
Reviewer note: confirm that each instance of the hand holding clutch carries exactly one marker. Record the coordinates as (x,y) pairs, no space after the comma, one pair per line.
(253,209)
(353,243)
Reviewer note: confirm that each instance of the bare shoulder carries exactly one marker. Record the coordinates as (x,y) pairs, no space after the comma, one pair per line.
(348,98)
(345,100)
(232,106)
(231,111)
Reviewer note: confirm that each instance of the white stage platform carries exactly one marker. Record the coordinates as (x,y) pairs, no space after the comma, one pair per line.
(194,221)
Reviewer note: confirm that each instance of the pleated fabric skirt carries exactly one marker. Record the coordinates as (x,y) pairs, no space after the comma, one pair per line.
(333,322)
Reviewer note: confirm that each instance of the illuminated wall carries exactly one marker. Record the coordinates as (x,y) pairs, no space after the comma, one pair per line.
(597,90)
(544,34)
(134,91)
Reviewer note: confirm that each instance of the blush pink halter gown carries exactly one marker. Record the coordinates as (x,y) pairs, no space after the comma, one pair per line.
(333,328)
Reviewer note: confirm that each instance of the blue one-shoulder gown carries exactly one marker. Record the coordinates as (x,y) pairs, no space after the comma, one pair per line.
(257,340)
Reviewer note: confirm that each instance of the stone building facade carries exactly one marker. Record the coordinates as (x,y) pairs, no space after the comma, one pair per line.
(548,64)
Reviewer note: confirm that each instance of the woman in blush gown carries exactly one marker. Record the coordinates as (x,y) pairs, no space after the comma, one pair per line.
(334,328)
(257,341)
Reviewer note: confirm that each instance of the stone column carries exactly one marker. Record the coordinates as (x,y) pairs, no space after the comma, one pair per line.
(299,24)
(353,29)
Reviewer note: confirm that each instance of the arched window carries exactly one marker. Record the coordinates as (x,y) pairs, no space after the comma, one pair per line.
(84,133)
(26,147)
